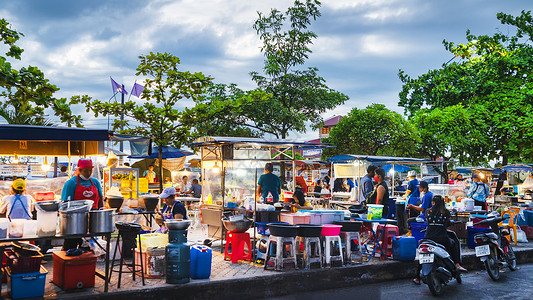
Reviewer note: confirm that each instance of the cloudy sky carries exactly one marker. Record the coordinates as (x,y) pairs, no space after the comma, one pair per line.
(361,44)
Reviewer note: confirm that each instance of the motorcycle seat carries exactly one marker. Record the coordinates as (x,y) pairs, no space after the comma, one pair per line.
(430,242)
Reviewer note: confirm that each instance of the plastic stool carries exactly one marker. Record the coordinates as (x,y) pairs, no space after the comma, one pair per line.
(386,239)
(281,251)
(332,250)
(237,241)
(261,248)
(352,247)
(310,250)
(128,232)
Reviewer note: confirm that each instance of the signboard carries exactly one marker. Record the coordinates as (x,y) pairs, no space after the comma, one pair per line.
(37,171)
(13,170)
(312,153)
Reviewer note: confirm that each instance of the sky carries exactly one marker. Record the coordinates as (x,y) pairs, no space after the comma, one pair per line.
(360,48)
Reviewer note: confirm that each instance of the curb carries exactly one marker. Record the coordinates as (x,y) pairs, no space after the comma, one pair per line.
(292,282)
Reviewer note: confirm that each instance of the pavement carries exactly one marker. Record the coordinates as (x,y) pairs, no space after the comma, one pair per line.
(245,279)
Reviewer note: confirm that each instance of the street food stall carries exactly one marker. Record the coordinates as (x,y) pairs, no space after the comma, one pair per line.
(230,169)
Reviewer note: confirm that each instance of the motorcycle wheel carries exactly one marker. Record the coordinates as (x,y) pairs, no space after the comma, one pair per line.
(492,266)
(434,284)
(511,258)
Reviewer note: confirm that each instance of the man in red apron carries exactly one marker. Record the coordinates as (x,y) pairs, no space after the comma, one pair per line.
(82,187)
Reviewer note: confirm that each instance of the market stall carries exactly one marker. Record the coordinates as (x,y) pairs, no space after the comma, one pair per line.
(231,167)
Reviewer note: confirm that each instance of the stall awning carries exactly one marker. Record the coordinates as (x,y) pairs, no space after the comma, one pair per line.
(221,140)
(49,133)
(168,153)
(344,158)
(518,168)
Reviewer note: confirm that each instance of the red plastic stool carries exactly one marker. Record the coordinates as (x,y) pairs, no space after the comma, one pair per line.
(237,242)
(386,239)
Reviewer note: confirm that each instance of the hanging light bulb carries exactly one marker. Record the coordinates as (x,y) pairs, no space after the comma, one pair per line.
(216,168)
(45,167)
(16,160)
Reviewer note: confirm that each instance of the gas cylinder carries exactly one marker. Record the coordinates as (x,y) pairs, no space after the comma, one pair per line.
(178,257)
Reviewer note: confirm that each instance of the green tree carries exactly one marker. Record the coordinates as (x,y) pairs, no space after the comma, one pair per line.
(26,93)
(158,115)
(492,80)
(374,130)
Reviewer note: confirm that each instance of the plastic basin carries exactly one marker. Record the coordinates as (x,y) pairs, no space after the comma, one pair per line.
(375,211)
(283,230)
(349,226)
(331,230)
(306,230)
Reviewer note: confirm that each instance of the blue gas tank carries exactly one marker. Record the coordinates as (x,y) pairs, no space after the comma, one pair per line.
(178,257)
(404,248)
(201,257)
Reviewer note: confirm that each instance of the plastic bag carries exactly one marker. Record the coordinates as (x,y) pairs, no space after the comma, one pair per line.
(94,247)
(520,235)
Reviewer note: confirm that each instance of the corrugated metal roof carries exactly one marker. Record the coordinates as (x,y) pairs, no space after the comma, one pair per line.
(220,140)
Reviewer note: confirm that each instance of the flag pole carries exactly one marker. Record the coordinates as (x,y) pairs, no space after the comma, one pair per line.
(132,89)
(114,96)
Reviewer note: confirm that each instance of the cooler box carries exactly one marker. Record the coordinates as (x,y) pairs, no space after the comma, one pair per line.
(473,231)
(26,285)
(295,218)
(201,258)
(44,196)
(416,229)
(74,272)
(404,248)
(153,261)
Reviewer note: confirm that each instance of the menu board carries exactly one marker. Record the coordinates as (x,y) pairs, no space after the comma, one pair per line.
(14,170)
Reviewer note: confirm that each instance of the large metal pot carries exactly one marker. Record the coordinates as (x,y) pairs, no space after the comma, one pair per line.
(73,222)
(101,221)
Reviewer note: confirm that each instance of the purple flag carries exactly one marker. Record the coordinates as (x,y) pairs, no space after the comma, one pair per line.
(137,90)
(117,87)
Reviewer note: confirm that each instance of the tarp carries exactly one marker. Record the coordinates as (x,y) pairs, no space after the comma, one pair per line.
(344,158)
(221,140)
(168,153)
(397,168)
(139,146)
(518,168)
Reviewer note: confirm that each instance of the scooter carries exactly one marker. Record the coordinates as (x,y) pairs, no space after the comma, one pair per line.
(494,249)
(438,267)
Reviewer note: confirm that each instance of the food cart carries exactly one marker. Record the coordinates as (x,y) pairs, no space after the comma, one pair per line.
(230,169)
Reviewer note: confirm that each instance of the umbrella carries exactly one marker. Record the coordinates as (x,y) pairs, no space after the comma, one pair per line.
(397,168)
(518,168)
(168,153)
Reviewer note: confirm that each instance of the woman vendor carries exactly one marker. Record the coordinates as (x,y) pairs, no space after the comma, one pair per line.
(17,205)
(298,202)
(172,208)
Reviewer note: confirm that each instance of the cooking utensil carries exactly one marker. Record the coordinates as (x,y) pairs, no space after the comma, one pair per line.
(76,206)
(102,221)
(177,224)
(73,222)
(349,226)
(114,201)
(307,230)
(26,247)
(283,230)
(49,206)
(238,225)
(149,202)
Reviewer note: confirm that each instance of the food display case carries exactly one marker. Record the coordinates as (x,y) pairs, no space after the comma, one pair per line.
(125,179)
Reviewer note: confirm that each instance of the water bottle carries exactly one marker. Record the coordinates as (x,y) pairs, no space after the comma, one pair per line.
(270,198)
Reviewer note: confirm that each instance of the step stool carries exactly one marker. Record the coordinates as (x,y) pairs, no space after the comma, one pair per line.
(237,241)
(352,247)
(332,250)
(310,251)
(386,239)
(281,252)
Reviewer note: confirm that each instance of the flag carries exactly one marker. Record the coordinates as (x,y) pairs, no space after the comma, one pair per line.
(137,90)
(117,87)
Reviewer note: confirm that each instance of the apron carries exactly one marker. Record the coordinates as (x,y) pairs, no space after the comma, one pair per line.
(87,193)
(18,214)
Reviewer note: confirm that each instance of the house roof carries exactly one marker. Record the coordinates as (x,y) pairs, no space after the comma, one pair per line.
(332,121)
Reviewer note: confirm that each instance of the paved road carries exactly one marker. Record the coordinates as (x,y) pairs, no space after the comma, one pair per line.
(476,285)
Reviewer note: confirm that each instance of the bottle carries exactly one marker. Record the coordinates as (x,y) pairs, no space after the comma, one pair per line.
(270,198)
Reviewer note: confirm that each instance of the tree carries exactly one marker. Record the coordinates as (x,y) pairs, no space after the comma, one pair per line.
(26,93)
(492,81)
(158,115)
(374,130)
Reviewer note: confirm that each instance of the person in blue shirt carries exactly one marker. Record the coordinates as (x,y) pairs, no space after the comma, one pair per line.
(412,195)
(195,190)
(479,191)
(83,186)
(367,182)
(426,197)
(269,183)
(350,184)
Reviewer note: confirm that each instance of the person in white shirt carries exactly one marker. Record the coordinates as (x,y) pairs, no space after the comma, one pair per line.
(17,206)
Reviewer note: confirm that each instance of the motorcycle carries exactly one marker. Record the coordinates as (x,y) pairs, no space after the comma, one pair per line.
(438,267)
(494,249)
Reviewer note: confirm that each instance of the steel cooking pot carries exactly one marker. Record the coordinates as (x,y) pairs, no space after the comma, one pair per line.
(73,222)
(101,221)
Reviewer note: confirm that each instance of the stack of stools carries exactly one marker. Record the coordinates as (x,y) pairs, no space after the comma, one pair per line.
(332,244)
(308,248)
(386,238)
(262,241)
(235,246)
(128,233)
(281,248)
(351,241)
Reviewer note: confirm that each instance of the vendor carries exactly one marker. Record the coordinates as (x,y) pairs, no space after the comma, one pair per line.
(269,183)
(479,191)
(426,197)
(17,205)
(83,186)
(150,174)
(413,193)
(173,209)
(298,202)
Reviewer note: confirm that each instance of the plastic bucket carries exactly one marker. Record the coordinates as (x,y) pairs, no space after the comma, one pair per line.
(331,230)
(375,211)
(469,204)
(416,229)
(4,226)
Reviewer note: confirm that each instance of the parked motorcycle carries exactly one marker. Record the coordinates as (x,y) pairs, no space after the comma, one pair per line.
(494,249)
(438,267)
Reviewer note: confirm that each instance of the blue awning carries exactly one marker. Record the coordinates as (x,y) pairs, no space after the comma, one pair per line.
(49,133)
(397,168)
(168,153)
(518,168)
(343,158)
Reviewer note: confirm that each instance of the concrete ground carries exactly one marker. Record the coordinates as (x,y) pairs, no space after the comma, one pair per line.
(245,279)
